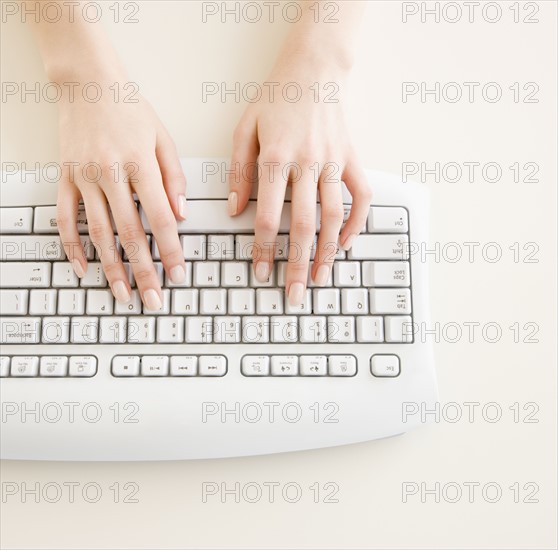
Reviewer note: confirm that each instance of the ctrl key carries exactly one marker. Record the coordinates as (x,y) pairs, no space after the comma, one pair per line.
(385,366)
(126,365)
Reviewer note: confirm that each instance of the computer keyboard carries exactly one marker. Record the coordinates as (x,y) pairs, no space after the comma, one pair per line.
(219,370)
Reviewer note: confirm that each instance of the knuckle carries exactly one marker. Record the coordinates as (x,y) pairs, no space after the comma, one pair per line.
(145,276)
(265,222)
(163,221)
(333,214)
(98,231)
(130,233)
(304,224)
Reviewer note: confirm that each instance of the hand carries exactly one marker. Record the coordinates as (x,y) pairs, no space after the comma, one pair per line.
(131,152)
(313,138)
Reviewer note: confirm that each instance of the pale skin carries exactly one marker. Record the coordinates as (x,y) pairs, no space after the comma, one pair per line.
(122,137)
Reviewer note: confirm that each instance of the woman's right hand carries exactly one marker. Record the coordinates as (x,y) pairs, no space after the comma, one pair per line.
(109,150)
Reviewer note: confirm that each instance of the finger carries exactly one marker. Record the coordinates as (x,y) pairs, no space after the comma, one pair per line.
(66,220)
(303,231)
(357,184)
(331,217)
(174,180)
(134,243)
(271,196)
(157,209)
(243,167)
(102,237)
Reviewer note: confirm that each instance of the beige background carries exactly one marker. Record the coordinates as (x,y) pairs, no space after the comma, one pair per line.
(170,53)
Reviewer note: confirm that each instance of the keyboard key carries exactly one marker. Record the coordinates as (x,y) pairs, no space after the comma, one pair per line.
(340,329)
(388,219)
(141,330)
(399,329)
(99,302)
(199,330)
(220,247)
(326,300)
(284,329)
(83,366)
(13,302)
(380,247)
(370,329)
(126,365)
(170,330)
(53,365)
(213,302)
(313,329)
(70,301)
(16,220)
(342,365)
(155,365)
(244,247)
(269,301)
(24,366)
(183,365)
(165,309)
(185,302)
(30,248)
(63,275)
(45,220)
(84,330)
(234,274)
(386,274)
(113,330)
(255,365)
(385,365)
(226,330)
(4,366)
(269,283)
(284,365)
(242,302)
(187,282)
(313,365)
(346,274)
(387,300)
(133,307)
(94,276)
(56,330)
(305,308)
(354,301)
(20,330)
(24,275)
(194,247)
(212,365)
(255,330)
(207,274)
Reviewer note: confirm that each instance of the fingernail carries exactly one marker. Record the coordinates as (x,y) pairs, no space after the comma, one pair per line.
(152,300)
(78,270)
(296,294)
(177,274)
(120,292)
(182,206)
(348,242)
(262,271)
(233,203)
(322,275)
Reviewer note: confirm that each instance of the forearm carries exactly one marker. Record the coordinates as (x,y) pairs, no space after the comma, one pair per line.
(323,38)
(74,47)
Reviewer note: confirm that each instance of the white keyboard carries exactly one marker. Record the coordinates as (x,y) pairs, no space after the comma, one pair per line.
(227,367)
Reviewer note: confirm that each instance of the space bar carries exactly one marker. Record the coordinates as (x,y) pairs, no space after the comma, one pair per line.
(211,216)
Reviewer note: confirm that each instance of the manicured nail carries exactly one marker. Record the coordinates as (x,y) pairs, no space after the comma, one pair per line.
(78,270)
(182,206)
(296,294)
(262,271)
(120,292)
(233,203)
(152,300)
(177,274)
(322,275)
(348,243)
